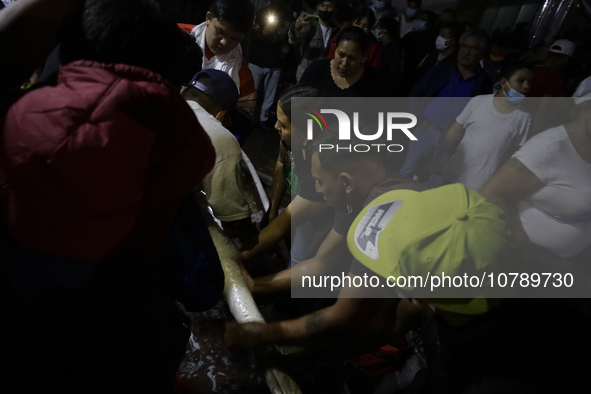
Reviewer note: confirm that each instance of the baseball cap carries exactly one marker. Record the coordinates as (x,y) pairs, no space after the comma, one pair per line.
(565,47)
(450,229)
(583,92)
(222,88)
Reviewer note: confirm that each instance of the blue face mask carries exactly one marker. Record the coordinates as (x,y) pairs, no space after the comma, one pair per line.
(421,25)
(410,12)
(378,5)
(514,97)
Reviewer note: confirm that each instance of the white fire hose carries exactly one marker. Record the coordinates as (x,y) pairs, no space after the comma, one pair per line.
(240,301)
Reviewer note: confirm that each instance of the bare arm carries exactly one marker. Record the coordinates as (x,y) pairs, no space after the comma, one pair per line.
(269,236)
(331,254)
(246,105)
(279,185)
(297,31)
(299,211)
(506,186)
(29,30)
(329,325)
(351,326)
(336,324)
(449,145)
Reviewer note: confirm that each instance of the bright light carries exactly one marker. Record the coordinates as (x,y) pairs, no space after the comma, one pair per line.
(271,18)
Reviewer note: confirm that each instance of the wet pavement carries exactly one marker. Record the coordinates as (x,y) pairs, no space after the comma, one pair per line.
(209,367)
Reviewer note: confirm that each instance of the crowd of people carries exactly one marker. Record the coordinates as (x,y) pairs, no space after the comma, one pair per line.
(114,116)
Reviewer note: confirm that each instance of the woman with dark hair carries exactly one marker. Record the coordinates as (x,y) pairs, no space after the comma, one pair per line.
(488,131)
(307,212)
(365,20)
(346,75)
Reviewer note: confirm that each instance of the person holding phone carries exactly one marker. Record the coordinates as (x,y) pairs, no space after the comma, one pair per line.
(267,54)
(313,34)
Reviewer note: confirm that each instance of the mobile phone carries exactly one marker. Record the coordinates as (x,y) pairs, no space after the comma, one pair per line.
(314,20)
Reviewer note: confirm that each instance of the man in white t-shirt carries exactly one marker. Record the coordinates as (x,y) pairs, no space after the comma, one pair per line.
(490,137)
(487,131)
(312,33)
(212,95)
(226,24)
(410,21)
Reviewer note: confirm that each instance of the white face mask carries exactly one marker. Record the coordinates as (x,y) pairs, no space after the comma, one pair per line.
(380,34)
(440,43)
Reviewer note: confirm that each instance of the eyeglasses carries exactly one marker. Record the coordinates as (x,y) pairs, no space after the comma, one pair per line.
(470,48)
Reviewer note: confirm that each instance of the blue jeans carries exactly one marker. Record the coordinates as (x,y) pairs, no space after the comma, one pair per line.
(269,77)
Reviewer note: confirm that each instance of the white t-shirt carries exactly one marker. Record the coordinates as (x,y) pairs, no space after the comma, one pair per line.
(490,139)
(326,33)
(230,62)
(222,185)
(558,216)
(406,27)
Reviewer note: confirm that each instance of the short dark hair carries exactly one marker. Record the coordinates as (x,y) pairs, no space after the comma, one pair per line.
(431,17)
(365,13)
(509,68)
(478,33)
(132,32)
(456,29)
(344,14)
(503,40)
(334,2)
(309,4)
(239,13)
(193,59)
(353,34)
(453,12)
(390,24)
(297,91)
